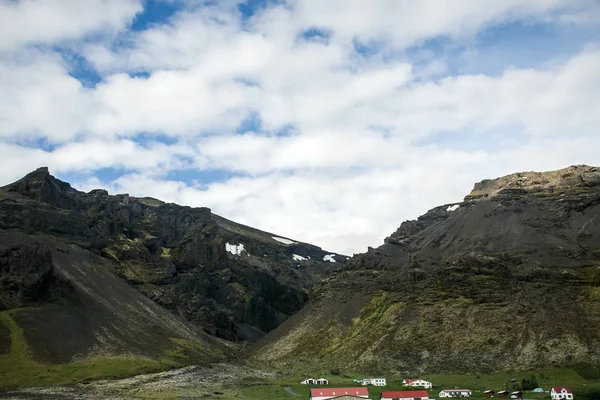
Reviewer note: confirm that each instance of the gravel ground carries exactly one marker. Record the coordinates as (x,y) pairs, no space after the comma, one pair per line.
(217,381)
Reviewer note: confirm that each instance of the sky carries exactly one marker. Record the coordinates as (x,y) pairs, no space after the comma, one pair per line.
(328,122)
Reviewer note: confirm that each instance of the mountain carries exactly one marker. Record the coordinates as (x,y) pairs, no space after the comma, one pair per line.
(508,279)
(85,275)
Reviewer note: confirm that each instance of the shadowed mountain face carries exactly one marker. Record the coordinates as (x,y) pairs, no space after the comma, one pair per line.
(507,279)
(86,274)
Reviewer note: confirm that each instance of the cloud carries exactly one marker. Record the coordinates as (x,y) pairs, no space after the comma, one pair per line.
(354,117)
(53,21)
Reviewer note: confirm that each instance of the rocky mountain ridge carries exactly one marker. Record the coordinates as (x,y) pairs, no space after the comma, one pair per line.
(116,274)
(507,279)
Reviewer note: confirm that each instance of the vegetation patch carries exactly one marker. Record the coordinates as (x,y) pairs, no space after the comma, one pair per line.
(17,369)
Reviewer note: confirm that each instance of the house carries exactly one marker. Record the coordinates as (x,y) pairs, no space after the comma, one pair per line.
(309,381)
(322,381)
(417,383)
(502,393)
(516,395)
(339,393)
(373,381)
(488,393)
(455,393)
(406,395)
(561,393)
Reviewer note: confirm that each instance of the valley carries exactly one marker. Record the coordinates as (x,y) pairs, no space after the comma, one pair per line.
(168,301)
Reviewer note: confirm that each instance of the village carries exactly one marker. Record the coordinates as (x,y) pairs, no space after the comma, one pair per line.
(420,389)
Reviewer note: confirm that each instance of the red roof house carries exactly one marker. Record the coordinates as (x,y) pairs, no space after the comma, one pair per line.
(561,393)
(332,393)
(405,395)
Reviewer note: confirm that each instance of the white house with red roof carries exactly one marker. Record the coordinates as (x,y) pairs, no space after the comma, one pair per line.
(339,393)
(455,393)
(405,395)
(561,393)
(417,383)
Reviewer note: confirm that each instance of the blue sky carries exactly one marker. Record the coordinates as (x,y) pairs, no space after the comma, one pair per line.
(328,122)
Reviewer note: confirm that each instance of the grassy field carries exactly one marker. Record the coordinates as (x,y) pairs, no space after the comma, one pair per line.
(477,383)
(18,370)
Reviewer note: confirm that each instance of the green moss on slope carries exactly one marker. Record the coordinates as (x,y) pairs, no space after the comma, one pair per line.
(17,369)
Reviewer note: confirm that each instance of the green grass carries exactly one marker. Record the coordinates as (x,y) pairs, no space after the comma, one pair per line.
(17,369)
(274,389)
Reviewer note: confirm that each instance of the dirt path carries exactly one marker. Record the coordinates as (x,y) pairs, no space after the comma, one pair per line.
(189,382)
(290,391)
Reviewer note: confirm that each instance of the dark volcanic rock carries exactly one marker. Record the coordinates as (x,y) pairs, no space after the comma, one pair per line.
(25,275)
(175,255)
(507,279)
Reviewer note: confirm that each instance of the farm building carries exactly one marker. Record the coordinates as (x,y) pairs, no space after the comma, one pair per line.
(516,395)
(373,381)
(322,381)
(417,383)
(561,393)
(502,393)
(309,381)
(339,393)
(489,393)
(455,393)
(406,395)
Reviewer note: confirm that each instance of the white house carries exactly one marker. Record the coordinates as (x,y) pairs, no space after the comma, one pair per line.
(417,383)
(455,393)
(373,381)
(309,381)
(322,381)
(561,393)
(406,395)
(339,393)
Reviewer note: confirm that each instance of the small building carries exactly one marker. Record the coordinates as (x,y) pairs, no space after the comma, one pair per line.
(561,393)
(405,395)
(538,390)
(309,381)
(488,393)
(516,395)
(339,393)
(322,381)
(373,381)
(455,393)
(417,383)
(502,393)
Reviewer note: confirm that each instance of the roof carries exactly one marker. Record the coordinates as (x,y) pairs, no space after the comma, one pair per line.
(406,394)
(560,388)
(355,391)
(410,380)
(456,390)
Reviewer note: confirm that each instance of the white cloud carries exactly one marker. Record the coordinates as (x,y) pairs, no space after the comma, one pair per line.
(50,21)
(371,140)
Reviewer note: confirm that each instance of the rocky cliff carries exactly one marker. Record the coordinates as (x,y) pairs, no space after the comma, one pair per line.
(91,274)
(507,279)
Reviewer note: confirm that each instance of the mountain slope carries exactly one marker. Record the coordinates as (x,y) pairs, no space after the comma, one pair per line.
(89,275)
(507,279)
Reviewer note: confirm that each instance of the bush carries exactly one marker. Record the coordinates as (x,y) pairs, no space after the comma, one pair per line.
(529,383)
(335,371)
